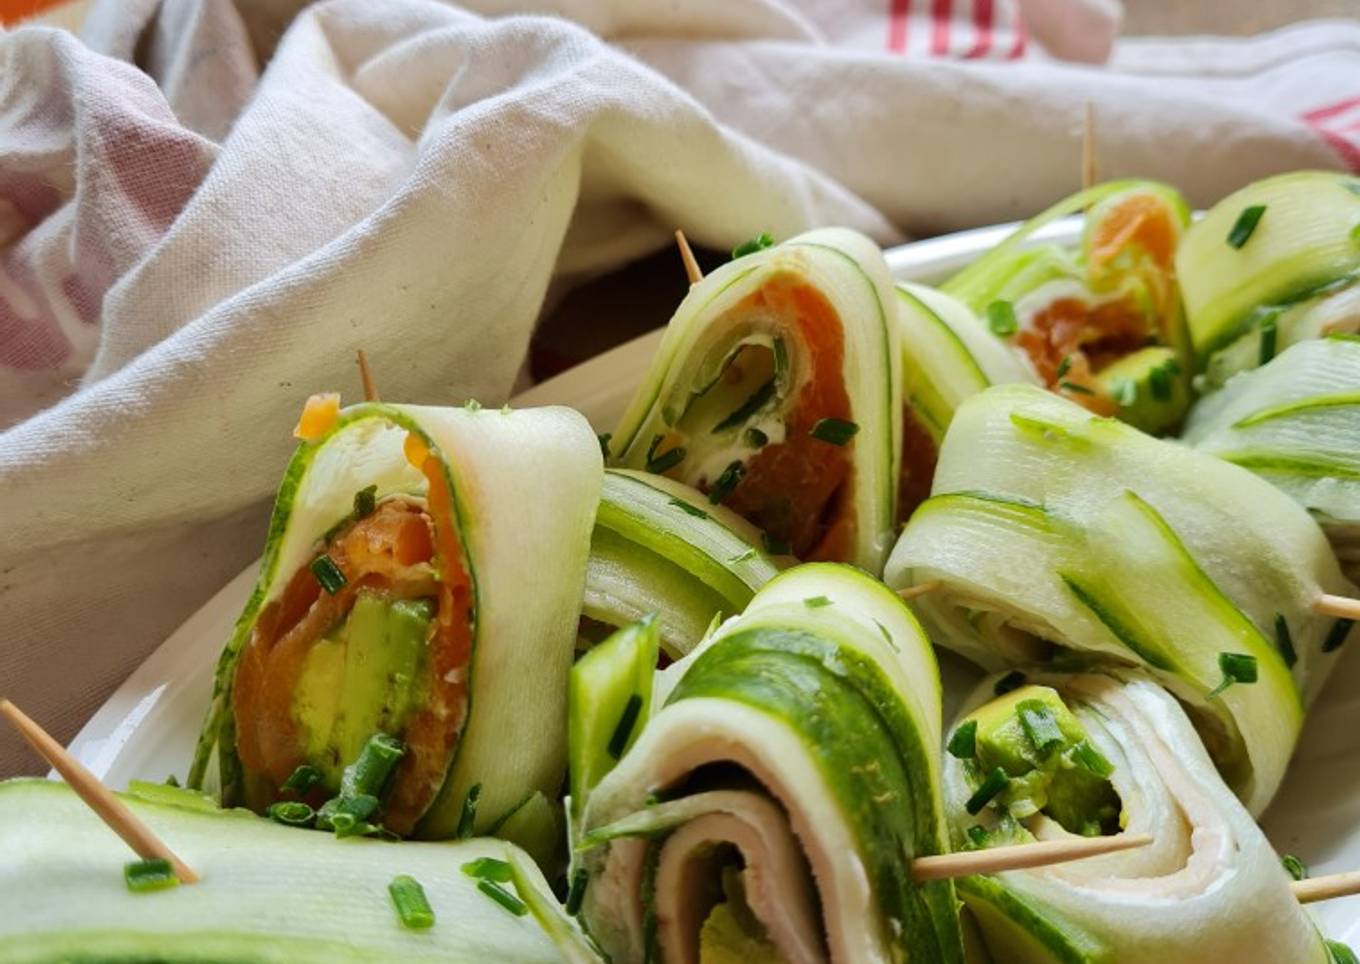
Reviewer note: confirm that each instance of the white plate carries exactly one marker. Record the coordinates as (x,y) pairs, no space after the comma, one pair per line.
(147,728)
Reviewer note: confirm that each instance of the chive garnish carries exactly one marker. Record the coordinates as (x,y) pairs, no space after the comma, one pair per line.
(472,405)
(1159,380)
(1294,867)
(1001,318)
(1341,953)
(754,438)
(1337,635)
(887,636)
(144,876)
(328,574)
(1011,681)
(774,545)
(503,897)
(746,409)
(488,868)
(688,509)
(1245,225)
(1285,641)
(746,556)
(816,602)
(666,460)
(996,782)
(1040,725)
(368,775)
(1269,334)
(468,816)
(728,481)
(348,816)
(760,242)
(293,813)
(1092,760)
(977,835)
(836,431)
(365,501)
(577,892)
(408,897)
(1237,668)
(1124,391)
(603,438)
(1074,387)
(172,781)
(963,744)
(624,730)
(1063,366)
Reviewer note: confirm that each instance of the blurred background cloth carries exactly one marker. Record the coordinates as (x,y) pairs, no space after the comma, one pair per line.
(207,205)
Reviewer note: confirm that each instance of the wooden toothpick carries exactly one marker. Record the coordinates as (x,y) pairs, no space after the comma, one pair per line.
(366,376)
(1325,888)
(97,797)
(1022,856)
(1342,607)
(911,592)
(692,270)
(1088,147)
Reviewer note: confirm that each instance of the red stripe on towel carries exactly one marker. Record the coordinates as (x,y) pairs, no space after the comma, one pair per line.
(940,20)
(1334,124)
(898,12)
(982,27)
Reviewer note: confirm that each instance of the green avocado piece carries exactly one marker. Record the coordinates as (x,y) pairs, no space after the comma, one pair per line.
(1001,737)
(1150,386)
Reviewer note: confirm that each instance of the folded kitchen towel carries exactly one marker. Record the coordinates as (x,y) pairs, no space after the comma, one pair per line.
(189,249)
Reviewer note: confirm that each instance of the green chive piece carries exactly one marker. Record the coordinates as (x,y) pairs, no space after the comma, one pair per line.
(577,892)
(996,782)
(369,773)
(365,501)
(746,409)
(754,438)
(760,242)
(746,556)
(1124,391)
(468,816)
(728,481)
(836,431)
(624,730)
(1063,366)
(666,460)
(1001,318)
(348,816)
(1159,380)
(1294,867)
(1245,225)
(1341,953)
(1285,641)
(963,744)
(888,637)
(1011,681)
(328,574)
(1269,335)
(172,781)
(488,868)
(688,509)
(604,439)
(774,545)
(1074,387)
(413,908)
(1337,635)
(292,813)
(816,602)
(503,897)
(977,835)
(1092,760)
(144,876)
(472,405)
(1041,726)
(1237,668)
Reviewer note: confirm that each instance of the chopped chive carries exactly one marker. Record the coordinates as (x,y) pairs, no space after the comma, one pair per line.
(836,431)
(1011,681)
(624,730)
(754,438)
(1285,641)
(1040,725)
(760,242)
(1237,668)
(413,908)
(977,835)
(688,509)
(1341,953)
(1092,760)
(1001,318)
(577,892)
(666,460)
(1159,380)
(1124,391)
(731,476)
(1269,334)
(754,403)
(348,816)
(816,602)
(365,501)
(172,781)
(369,773)
(472,405)
(1063,366)
(1245,225)
(468,816)
(963,744)
(603,439)
(1074,387)
(144,876)
(488,868)
(995,782)
(887,636)
(328,574)
(293,813)
(503,897)
(774,545)
(1337,635)
(746,556)
(1294,867)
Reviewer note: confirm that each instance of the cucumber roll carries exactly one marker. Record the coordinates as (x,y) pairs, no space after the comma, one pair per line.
(662,547)
(776,393)
(1093,754)
(1270,265)
(772,805)
(1061,537)
(1100,323)
(1296,423)
(420,587)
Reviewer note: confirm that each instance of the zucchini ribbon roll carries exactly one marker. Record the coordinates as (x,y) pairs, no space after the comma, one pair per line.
(417,602)
(662,547)
(1296,423)
(774,802)
(1100,323)
(775,391)
(1060,537)
(1093,754)
(1271,265)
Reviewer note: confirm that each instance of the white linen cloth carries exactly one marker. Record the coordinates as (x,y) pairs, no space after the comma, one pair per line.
(187,253)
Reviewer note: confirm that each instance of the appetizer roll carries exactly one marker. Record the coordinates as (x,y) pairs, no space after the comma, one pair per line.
(422,581)
(774,803)
(1058,536)
(1296,423)
(1270,265)
(1090,755)
(662,547)
(776,393)
(1100,324)
(265,893)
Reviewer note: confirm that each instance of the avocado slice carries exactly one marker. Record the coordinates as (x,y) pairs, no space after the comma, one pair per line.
(1150,386)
